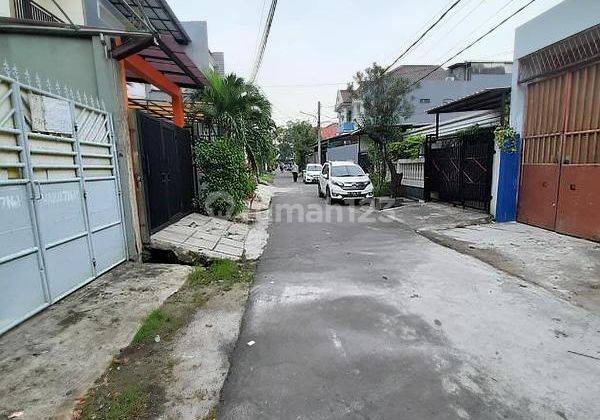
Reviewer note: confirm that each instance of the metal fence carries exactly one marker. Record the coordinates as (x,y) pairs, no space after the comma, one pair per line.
(30,10)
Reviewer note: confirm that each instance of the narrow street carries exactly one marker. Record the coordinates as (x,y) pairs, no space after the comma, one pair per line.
(367,319)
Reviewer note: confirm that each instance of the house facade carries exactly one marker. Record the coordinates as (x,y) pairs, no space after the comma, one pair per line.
(72,179)
(348,110)
(554,108)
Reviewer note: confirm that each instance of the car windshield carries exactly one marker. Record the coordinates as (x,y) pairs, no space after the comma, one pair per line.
(313,168)
(347,170)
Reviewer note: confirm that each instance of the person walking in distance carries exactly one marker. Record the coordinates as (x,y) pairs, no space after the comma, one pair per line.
(295,171)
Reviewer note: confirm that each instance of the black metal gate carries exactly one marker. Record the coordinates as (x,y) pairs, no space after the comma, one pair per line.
(458,168)
(166,156)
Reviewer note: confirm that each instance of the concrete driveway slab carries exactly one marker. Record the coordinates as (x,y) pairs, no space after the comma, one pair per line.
(51,360)
(567,267)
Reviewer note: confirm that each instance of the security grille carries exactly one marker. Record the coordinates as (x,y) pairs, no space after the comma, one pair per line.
(573,51)
(458,168)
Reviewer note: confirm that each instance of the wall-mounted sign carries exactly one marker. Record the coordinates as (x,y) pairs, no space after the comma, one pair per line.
(50,115)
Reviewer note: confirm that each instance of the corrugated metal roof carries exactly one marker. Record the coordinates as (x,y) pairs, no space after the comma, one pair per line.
(483,119)
(483,100)
(414,72)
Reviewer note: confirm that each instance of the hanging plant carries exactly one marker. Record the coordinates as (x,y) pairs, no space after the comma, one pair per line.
(506,139)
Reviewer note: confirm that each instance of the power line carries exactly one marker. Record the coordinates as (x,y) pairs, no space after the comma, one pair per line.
(263,43)
(484,23)
(259,25)
(477,40)
(436,40)
(423,35)
(424,26)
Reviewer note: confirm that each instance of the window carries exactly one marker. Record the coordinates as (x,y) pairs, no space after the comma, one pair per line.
(424,100)
(347,170)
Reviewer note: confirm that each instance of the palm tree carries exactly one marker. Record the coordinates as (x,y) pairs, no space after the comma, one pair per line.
(238,111)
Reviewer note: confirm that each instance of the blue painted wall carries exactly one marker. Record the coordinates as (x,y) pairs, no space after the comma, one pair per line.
(347,127)
(508,185)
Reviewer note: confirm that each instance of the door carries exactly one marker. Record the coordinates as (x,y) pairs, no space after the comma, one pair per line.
(558,187)
(23,286)
(459,167)
(542,142)
(578,211)
(168,170)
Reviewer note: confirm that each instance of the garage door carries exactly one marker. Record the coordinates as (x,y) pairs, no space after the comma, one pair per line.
(61,221)
(559,188)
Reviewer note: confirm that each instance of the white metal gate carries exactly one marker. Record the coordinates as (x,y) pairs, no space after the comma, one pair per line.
(61,216)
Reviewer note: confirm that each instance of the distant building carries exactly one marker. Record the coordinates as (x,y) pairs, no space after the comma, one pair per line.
(329,131)
(348,111)
(436,86)
(198,49)
(441,86)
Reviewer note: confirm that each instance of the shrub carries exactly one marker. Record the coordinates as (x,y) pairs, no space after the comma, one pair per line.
(226,179)
(407,148)
(381,188)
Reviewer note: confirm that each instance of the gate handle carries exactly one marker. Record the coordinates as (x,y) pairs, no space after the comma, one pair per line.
(39,191)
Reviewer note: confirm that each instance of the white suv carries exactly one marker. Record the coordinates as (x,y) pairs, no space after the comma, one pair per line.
(344,181)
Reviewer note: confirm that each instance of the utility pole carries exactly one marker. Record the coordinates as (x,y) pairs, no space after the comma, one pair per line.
(319,132)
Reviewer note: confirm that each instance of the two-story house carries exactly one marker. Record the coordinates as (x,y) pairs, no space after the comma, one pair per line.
(434,86)
(348,110)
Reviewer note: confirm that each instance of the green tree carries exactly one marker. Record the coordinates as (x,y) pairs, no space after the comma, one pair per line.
(238,111)
(301,136)
(409,147)
(386,105)
(285,147)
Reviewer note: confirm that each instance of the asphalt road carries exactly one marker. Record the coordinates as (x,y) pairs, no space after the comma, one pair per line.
(362,318)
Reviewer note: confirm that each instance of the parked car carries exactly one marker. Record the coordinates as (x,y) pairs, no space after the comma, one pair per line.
(344,181)
(312,172)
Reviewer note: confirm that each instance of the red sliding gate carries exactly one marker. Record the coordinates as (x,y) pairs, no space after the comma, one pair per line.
(560,174)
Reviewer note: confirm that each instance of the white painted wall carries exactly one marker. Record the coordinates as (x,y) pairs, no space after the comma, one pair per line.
(73,9)
(5,8)
(563,20)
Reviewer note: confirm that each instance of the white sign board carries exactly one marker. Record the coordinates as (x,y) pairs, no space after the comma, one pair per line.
(50,115)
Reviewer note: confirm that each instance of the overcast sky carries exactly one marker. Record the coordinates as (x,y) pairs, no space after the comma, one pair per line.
(316,46)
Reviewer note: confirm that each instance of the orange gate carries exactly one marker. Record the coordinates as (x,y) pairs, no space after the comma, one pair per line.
(560,174)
